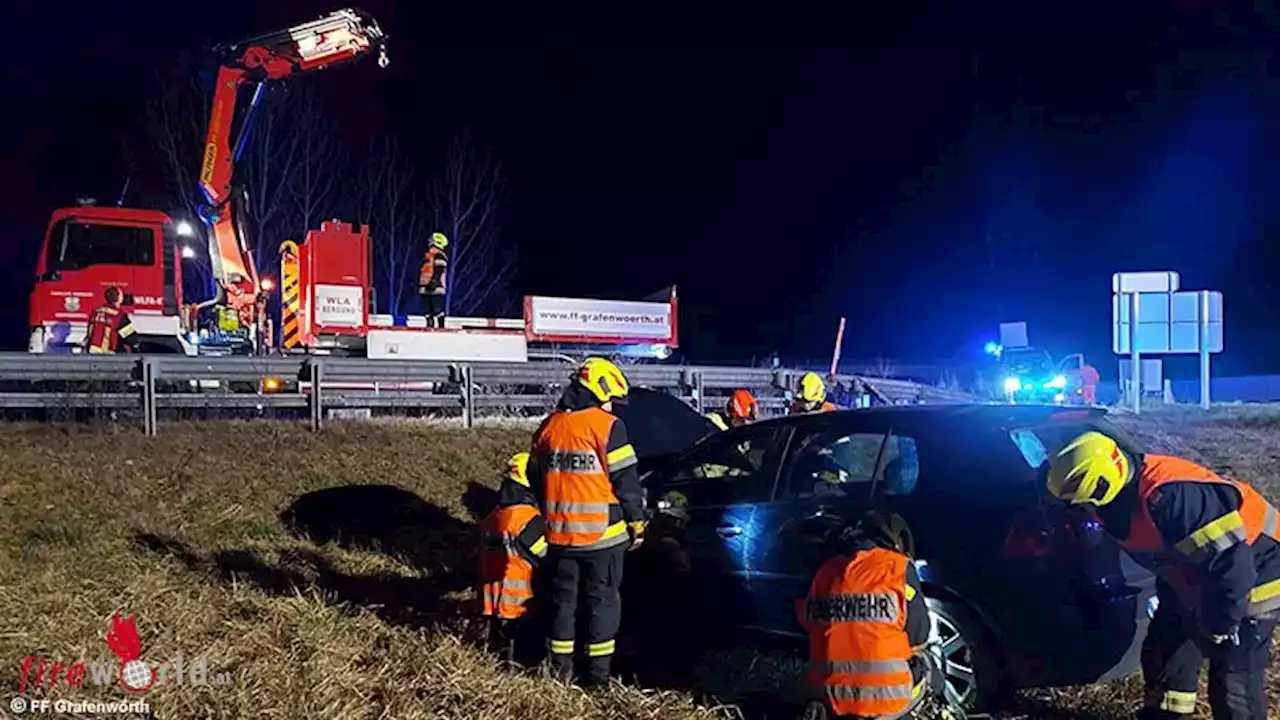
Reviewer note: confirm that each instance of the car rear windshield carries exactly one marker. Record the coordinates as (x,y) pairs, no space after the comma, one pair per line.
(1038,443)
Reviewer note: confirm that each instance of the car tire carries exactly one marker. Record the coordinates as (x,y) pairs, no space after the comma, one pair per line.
(967,654)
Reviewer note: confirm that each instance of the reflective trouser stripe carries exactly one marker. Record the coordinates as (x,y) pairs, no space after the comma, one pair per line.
(1179,702)
(560,647)
(600,649)
(866,667)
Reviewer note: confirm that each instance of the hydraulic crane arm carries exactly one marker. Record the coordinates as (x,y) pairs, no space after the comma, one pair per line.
(334,39)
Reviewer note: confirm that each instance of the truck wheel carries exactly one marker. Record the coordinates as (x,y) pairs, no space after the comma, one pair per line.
(967,654)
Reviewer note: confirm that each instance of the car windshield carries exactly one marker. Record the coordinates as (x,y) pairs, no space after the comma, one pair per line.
(1029,365)
(76,245)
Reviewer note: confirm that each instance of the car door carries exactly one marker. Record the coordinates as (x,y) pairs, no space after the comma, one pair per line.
(826,481)
(1105,595)
(726,484)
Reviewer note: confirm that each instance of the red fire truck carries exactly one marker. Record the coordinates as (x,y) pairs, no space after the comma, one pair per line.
(88,249)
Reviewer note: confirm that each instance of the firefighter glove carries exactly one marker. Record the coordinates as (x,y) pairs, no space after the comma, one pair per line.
(635,529)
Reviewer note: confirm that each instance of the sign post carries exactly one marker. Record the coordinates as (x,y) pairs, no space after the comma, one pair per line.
(1151,316)
(1204,349)
(1135,357)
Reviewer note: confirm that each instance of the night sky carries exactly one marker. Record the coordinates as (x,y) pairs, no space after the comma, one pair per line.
(927,172)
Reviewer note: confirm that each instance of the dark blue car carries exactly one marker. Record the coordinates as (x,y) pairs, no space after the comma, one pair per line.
(1025,591)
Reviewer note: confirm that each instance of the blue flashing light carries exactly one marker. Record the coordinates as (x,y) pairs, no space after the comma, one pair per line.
(1012,384)
(1058,382)
(993,348)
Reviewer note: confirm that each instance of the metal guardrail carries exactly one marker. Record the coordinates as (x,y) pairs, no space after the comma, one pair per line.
(155,382)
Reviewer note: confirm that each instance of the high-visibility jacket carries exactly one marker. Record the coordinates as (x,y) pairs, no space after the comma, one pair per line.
(859,649)
(797,408)
(431,280)
(718,420)
(578,459)
(1191,527)
(511,540)
(108,327)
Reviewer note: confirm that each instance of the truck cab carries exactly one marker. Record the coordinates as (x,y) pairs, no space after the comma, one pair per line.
(88,249)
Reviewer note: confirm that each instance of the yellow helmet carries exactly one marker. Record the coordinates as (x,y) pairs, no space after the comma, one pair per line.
(1090,469)
(439,240)
(518,469)
(812,388)
(602,378)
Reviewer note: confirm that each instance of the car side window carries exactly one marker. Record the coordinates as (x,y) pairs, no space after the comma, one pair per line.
(731,468)
(829,463)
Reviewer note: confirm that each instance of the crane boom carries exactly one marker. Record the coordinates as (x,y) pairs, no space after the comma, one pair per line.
(336,38)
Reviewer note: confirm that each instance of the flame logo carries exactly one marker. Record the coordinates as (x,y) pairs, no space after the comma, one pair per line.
(134,674)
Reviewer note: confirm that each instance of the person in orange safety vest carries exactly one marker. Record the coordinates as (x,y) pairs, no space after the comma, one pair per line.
(432,286)
(1212,543)
(512,544)
(812,396)
(1088,384)
(109,326)
(868,625)
(584,471)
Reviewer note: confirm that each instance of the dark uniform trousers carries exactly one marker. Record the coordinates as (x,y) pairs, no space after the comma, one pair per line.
(592,578)
(1175,651)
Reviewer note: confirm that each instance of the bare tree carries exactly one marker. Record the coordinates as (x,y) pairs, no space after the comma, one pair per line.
(176,119)
(268,169)
(320,162)
(464,202)
(398,218)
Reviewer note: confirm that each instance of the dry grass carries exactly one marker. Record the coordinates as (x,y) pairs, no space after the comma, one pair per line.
(185,531)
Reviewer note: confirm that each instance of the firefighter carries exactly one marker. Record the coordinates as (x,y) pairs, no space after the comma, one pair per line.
(1212,543)
(584,472)
(1088,384)
(740,409)
(110,326)
(512,543)
(811,396)
(868,624)
(431,280)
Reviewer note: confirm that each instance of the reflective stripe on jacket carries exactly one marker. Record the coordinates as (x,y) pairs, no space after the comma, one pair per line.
(578,502)
(506,576)
(1180,564)
(859,652)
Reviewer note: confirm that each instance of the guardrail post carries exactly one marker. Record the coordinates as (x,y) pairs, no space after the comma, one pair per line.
(699,401)
(315,373)
(148,389)
(468,396)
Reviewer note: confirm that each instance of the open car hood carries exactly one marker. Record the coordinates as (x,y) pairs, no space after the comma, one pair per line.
(660,425)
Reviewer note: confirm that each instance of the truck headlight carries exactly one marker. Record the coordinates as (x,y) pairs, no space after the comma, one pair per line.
(1012,384)
(1057,382)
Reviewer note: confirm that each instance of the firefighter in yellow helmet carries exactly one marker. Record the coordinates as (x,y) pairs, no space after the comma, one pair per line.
(512,544)
(811,396)
(432,286)
(583,470)
(1212,544)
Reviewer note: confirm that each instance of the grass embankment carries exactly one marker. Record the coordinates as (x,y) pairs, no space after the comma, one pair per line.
(219,537)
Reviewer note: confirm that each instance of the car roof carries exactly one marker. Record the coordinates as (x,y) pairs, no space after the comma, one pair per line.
(998,414)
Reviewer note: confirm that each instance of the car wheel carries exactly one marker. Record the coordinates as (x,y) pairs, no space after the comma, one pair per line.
(962,648)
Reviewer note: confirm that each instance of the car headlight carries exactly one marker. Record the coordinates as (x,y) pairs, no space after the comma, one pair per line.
(1057,382)
(1012,384)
